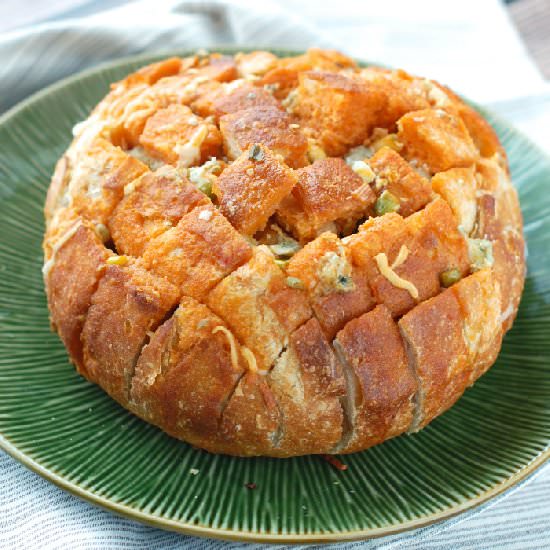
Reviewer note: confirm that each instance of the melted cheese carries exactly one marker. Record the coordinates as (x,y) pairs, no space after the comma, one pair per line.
(387,272)
(401,257)
(190,152)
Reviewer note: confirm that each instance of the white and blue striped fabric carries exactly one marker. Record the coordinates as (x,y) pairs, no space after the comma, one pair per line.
(470,45)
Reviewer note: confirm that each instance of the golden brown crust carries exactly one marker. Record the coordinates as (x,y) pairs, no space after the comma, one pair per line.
(437,351)
(128,304)
(381,385)
(336,110)
(250,190)
(307,382)
(327,192)
(282,256)
(71,279)
(153,204)
(185,376)
(270,126)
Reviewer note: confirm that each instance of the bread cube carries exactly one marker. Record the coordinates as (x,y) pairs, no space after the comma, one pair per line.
(283,76)
(307,381)
(176,135)
(198,252)
(396,176)
(254,64)
(153,205)
(480,299)
(229,98)
(339,111)
(337,290)
(97,186)
(71,275)
(404,258)
(187,373)
(271,127)
(129,303)
(155,71)
(327,192)
(222,68)
(251,421)
(128,109)
(259,307)
(403,93)
(252,187)
(433,332)
(481,132)
(382,386)
(458,187)
(437,139)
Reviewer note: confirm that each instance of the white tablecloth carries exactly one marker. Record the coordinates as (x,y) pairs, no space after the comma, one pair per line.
(468,44)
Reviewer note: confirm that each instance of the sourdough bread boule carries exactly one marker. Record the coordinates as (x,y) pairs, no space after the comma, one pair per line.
(282,256)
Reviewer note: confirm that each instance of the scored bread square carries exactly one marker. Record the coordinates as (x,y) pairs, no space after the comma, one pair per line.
(338,111)
(480,299)
(437,139)
(250,424)
(403,94)
(221,100)
(187,373)
(328,195)
(251,188)
(271,127)
(458,187)
(129,302)
(404,258)
(497,224)
(395,174)
(380,384)
(152,205)
(308,381)
(175,134)
(337,290)
(437,350)
(250,299)
(283,256)
(71,284)
(154,72)
(198,252)
(283,76)
(97,186)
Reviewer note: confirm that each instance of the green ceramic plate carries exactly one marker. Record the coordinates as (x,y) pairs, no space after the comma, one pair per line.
(70,432)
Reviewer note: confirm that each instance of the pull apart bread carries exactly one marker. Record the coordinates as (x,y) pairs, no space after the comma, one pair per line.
(282,256)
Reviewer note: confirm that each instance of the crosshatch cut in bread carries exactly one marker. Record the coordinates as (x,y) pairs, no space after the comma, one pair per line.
(282,256)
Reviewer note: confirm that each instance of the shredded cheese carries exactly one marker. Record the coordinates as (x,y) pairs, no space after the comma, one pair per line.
(250,358)
(387,272)
(401,257)
(232,345)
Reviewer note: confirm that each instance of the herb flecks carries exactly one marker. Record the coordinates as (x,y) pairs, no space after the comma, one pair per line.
(255,153)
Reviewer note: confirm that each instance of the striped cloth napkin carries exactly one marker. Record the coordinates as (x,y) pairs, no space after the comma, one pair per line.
(470,45)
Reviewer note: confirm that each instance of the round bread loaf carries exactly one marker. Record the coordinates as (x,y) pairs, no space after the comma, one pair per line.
(282,256)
